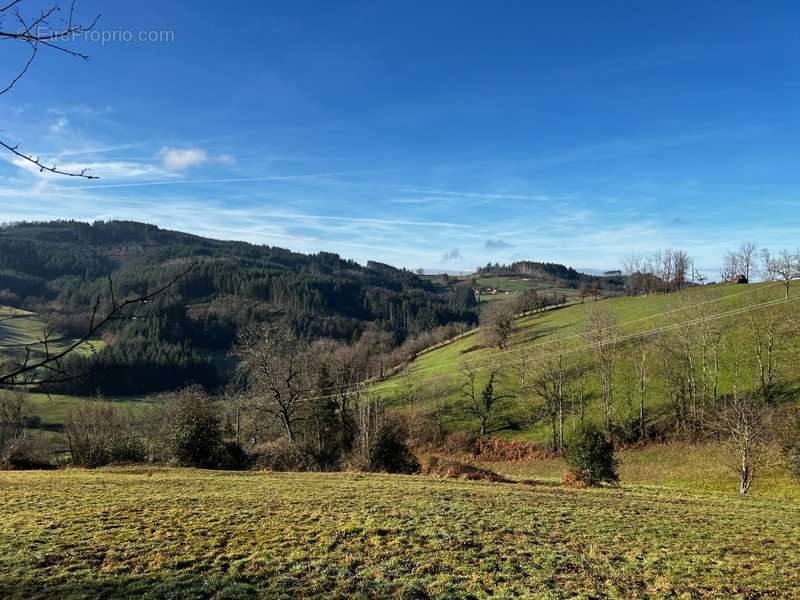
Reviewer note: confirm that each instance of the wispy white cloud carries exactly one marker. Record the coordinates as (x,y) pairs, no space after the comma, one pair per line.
(80,109)
(59,125)
(180,159)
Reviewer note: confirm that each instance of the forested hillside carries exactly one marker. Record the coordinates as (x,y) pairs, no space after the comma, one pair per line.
(59,269)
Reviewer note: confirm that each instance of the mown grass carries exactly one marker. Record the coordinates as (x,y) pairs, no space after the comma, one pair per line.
(562,330)
(192,534)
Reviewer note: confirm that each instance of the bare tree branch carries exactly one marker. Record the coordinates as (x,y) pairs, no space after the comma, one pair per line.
(39,32)
(42,167)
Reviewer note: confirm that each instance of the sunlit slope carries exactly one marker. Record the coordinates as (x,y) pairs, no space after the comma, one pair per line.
(562,331)
(20,329)
(157,533)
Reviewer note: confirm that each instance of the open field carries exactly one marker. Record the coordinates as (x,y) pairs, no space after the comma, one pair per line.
(185,533)
(508,287)
(53,409)
(677,466)
(20,328)
(562,331)
(522,284)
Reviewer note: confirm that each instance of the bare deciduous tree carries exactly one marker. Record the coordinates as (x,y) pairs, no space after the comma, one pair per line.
(277,366)
(637,378)
(601,332)
(741,423)
(681,268)
(409,387)
(548,381)
(748,254)
(497,323)
(770,330)
(741,261)
(643,377)
(783,267)
(482,401)
(14,417)
(370,420)
(672,268)
(633,272)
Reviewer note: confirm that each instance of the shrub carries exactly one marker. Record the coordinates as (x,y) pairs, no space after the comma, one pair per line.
(280,455)
(29,452)
(89,432)
(380,441)
(460,442)
(127,449)
(590,456)
(98,434)
(391,453)
(232,456)
(489,449)
(193,432)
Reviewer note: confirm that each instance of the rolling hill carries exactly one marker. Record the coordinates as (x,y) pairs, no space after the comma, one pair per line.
(58,269)
(661,320)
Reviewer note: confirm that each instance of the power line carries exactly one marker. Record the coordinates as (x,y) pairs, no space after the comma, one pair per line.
(589,346)
(580,335)
(649,317)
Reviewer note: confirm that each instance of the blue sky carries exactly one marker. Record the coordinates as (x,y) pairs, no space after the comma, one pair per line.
(436,135)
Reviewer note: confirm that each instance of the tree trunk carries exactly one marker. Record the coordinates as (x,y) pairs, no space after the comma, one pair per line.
(746,479)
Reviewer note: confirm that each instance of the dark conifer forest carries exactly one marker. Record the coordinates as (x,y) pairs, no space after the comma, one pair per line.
(59,269)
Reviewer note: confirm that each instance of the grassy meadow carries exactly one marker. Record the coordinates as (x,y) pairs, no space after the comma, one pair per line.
(52,409)
(675,466)
(516,285)
(20,328)
(158,533)
(562,331)
(674,528)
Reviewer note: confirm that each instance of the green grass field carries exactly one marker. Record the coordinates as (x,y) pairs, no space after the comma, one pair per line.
(198,534)
(562,330)
(20,328)
(675,466)
(521,284)
(53,409)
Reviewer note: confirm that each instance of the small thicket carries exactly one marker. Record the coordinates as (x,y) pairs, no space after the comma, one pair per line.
(589,455)
(281,455)
(381,441)
(18,448)
(193,434)
(99,434)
